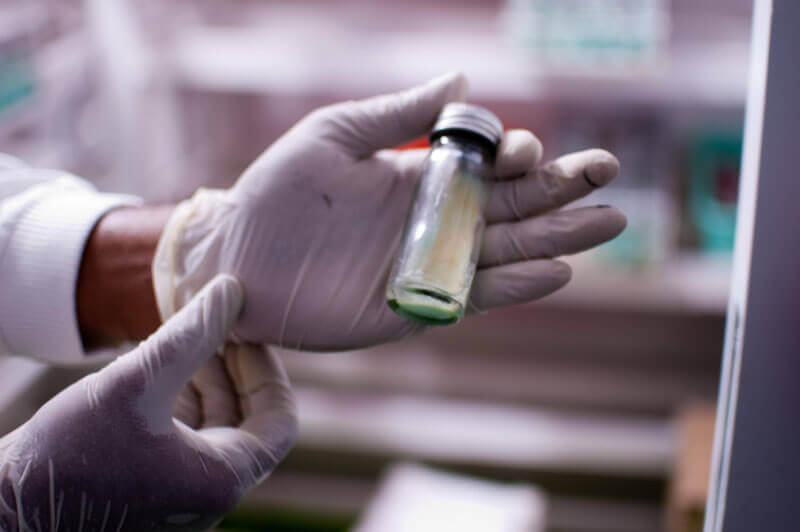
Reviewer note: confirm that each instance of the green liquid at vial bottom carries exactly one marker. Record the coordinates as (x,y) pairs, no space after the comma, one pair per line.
(425,306)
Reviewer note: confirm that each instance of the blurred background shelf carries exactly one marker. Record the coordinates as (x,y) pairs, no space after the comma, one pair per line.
(483,434)
(688,283)
(274,53)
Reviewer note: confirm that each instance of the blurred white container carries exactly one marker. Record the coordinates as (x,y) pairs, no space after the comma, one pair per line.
(417,499)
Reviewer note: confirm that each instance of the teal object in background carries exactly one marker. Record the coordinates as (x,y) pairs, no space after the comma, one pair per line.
(590,34)
(16,81)
(714,187)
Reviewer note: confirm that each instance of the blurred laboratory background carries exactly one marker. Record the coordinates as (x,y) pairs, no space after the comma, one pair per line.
(590,410)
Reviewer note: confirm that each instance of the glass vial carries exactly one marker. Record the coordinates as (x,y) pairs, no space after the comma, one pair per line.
(436,262)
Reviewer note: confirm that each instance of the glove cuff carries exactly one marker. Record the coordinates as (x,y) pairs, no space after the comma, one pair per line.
(188,252)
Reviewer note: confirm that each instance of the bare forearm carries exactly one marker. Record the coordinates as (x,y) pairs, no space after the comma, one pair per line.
(114,293)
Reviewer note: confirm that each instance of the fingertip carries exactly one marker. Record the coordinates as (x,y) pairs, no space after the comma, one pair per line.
(616,219)
(363,127)
(221,299)
(595,167)
(456,86)
(561,272)
(232,289)
(519,152)
(602,166)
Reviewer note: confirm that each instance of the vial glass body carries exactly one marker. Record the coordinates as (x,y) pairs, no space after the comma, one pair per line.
(436,263)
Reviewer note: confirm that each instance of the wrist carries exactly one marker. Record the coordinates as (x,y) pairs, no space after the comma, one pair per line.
(114,293)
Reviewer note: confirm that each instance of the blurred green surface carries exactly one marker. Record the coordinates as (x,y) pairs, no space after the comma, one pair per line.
(283,520)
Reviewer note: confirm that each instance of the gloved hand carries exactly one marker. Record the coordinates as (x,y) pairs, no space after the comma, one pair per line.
(106,454)
(312,226)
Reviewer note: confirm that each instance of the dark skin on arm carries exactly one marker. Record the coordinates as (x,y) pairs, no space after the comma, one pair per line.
(114,294)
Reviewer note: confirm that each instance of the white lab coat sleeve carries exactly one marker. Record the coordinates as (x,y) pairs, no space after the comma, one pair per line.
(46,217)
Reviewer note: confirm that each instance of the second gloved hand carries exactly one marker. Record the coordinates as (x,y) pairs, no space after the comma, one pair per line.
(106,453)
(312,226)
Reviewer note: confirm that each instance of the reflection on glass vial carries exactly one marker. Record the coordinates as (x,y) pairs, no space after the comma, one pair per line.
(438,255)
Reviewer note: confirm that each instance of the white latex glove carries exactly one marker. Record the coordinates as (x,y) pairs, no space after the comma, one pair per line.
(312,226)
(106,454)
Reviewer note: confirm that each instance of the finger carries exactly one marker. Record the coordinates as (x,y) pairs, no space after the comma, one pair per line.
(550,235)
(519,152)
(259,379)
(557,183)
(219,403)
(269,428)
(518,282)
(162,365)
(365,126)
(187,407)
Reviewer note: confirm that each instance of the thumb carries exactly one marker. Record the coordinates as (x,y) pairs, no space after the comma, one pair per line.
(365,126)
(161,366)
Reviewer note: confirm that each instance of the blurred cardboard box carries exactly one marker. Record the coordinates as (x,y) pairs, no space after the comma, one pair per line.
(689,486)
